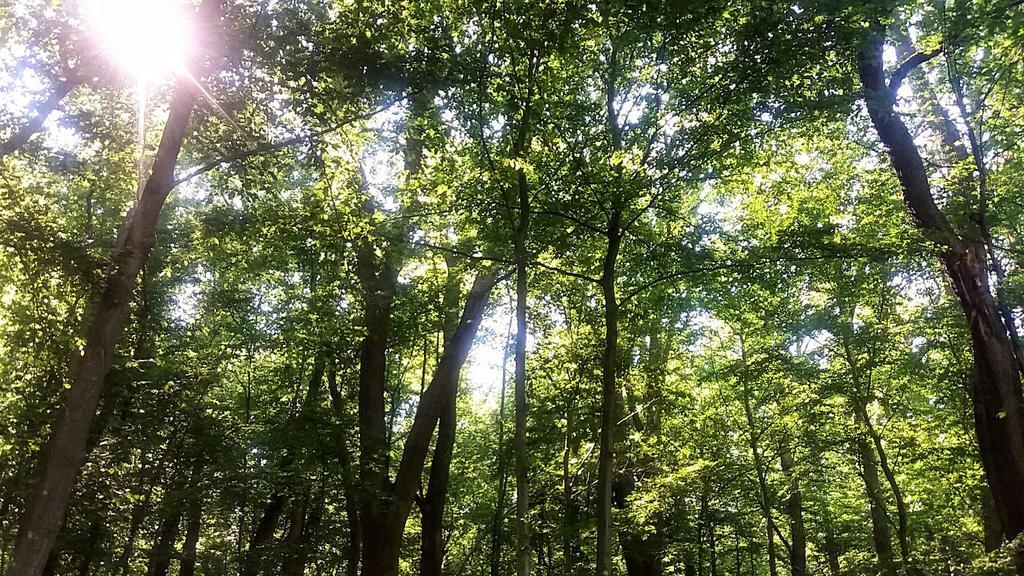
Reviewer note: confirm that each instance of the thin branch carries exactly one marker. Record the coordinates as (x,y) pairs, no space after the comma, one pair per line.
(565,272)
(275,146)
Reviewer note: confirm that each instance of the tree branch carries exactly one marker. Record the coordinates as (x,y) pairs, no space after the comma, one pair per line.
(275,146)
(908,66)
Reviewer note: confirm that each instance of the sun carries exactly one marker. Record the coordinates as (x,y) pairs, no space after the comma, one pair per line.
(149,40)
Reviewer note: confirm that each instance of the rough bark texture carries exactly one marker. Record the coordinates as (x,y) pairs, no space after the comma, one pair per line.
(67,443)
(996,393)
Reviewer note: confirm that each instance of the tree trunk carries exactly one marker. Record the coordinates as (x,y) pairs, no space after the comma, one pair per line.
(385,514)
(881,535)
(166,534)
(568,502)
(794,508)
(348,479)
(66,446)
(294,562)
(193,527)
(996,396)
(762,481)
(433,503)
(264,533)
(524,558)
(497,525)
(609,397)
(903,523)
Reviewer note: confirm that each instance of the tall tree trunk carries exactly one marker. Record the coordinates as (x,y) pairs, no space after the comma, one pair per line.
(166,534)
(762,482)
(609,385)
(524,558)
(349,488)
(609,397)
(497,525)
(794,508)
(996,396)
(881,535)
(66,446)
(193,527)
(433,503)
(294,562)
(264,533)
(388,509)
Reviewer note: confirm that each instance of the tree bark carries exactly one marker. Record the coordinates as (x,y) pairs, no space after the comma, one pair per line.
(384,513)
(609,396)
(264,533)
(996,394)
(794,508)
(193,527)
(348,479)
(881,535)
(433,502)
(67,443)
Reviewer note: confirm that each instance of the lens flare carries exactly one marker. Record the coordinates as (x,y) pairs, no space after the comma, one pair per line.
(149,40)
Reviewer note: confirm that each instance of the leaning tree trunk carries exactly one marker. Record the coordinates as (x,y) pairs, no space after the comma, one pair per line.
(264,533)
(996,394)
(433,503)
(67,444)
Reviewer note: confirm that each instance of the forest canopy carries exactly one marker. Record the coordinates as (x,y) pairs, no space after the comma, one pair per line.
(496,287)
